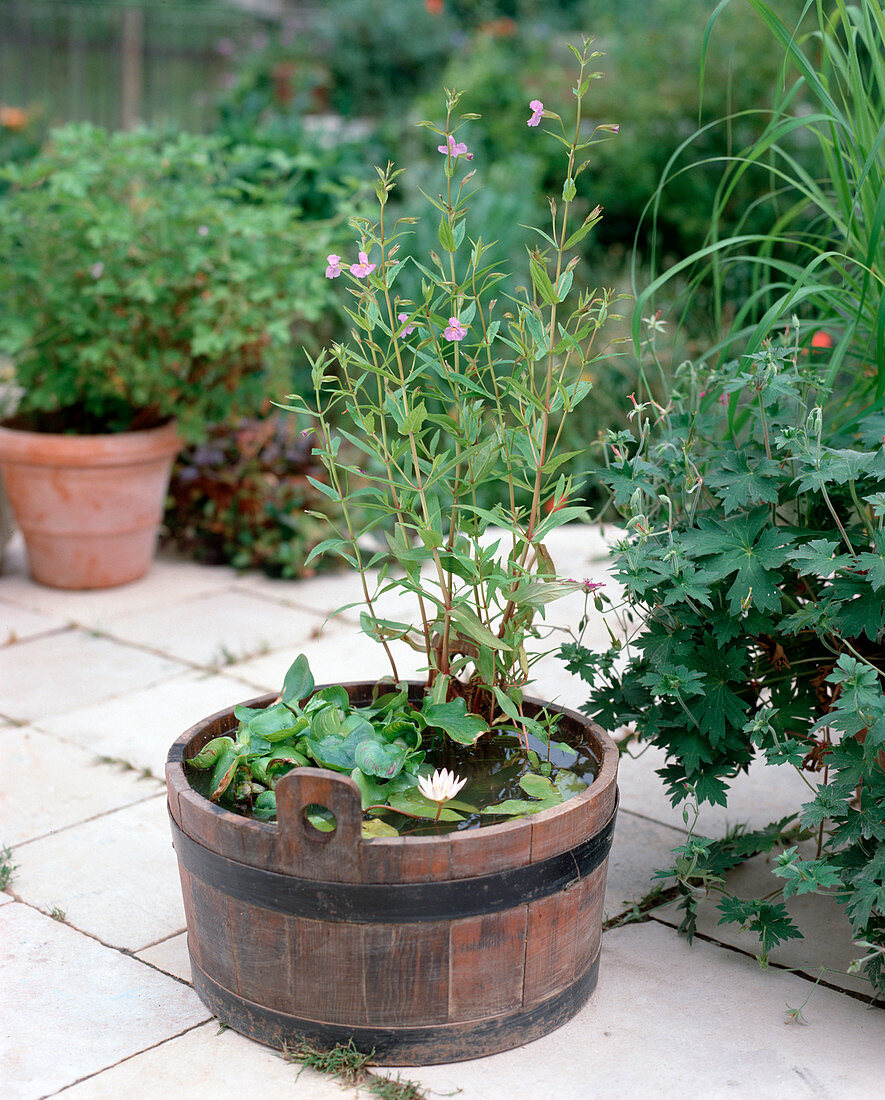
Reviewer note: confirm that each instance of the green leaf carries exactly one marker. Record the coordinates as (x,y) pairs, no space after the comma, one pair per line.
(741,484)
(452,717)
(738,547)
(322,819)
(873,564)
(381,758)
(543,793)
(264,808)
(541,282)
(771,922)
(223,773)
(298,683)
(376,827)
(412,801)
(338,750)
(814,558)
(468,623)
(277,723)
(267,769)
(210,753)
(445,234)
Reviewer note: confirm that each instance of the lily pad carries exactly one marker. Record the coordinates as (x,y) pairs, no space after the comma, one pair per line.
(377,827)
(544,794)
(412,801)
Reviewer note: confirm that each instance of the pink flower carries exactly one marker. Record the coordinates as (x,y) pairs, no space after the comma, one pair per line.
(611,127)
(203,231)
(537,111)
(455,331)
(97,270)
(334,268)
(363,268)
(408,329)
(454,149)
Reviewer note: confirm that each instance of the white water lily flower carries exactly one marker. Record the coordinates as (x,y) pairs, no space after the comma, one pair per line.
(441,786)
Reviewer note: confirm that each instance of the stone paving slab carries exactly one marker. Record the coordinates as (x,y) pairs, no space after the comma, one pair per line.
(762,795)
(56,785)
(17,623)
(670,1021)
(338,655)
(115,877)
(170,956)
(72,1007)
(638,849)
(217,629)
(139,727)
(169,580)
(204,1064)
(73,668)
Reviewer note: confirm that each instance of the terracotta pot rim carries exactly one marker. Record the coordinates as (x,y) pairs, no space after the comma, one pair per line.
(598,790)
(113,448)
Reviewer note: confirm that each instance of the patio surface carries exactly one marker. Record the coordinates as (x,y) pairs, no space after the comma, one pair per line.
(94,976)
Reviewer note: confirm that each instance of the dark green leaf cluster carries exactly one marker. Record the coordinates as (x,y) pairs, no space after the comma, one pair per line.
(754,561)
(242,498)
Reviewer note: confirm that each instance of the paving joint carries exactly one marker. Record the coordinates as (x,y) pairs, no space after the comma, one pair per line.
(129,1057)
(93,817)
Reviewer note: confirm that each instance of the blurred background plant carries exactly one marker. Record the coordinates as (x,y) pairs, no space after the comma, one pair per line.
(339,86)
(242,497)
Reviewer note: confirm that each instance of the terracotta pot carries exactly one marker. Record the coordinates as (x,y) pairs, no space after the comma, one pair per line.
(89,506)
(421,948)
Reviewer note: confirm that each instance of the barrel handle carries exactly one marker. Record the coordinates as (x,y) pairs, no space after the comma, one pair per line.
(306,851)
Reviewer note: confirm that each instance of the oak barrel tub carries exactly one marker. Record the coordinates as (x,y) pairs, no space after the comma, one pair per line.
(423,949)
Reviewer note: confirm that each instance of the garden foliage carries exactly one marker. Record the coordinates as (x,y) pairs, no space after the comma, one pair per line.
(241,497)
(754,494)
(138,283)
(755,565)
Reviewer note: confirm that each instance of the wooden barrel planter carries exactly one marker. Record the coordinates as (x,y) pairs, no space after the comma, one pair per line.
(424,949)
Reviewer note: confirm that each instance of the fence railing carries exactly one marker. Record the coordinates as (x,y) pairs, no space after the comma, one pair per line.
(116,64)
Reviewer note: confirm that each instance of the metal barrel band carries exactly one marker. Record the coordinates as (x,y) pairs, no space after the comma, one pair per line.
(392,903)
(413,1045)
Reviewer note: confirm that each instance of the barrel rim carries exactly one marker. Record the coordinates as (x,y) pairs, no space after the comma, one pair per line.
(600,789)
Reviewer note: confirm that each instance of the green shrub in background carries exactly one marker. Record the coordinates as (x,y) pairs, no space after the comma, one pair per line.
(654,55)
(821,255)
(138,284)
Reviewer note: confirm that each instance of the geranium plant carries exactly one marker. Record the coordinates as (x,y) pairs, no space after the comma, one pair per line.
(431,403)
(753,569)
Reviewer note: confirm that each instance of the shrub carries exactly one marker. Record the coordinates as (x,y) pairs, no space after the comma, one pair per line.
(755,564)
(243,498)
(144,277)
